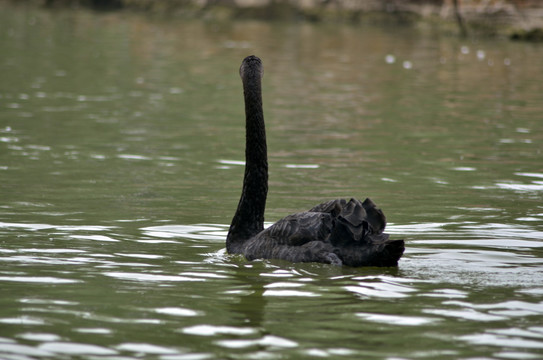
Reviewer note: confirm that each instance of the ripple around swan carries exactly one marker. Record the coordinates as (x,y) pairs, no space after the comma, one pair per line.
(380,287)
(290,293)
(472,252)
(493,243)
(470,231)
(196,232)
(283,285)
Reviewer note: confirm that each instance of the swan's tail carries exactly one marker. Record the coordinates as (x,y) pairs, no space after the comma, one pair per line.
(357,234)
(354,221)
(381,252)
(388,255)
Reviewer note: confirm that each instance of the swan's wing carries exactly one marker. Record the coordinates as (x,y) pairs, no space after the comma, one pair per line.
(332,207)
(300,228)
(300,237)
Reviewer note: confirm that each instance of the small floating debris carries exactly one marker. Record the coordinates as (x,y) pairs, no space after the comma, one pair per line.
(390,59)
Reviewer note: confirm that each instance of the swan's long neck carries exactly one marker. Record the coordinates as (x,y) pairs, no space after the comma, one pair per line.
(249,217)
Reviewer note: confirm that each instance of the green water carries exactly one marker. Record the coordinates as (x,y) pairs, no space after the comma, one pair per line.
(121,139)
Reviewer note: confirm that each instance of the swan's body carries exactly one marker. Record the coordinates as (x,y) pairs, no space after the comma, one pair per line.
(337,232)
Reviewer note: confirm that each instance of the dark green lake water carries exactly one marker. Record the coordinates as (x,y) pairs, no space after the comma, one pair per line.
(121,141)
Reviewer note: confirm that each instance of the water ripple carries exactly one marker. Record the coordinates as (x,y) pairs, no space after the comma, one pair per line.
(23,320)
(266,341)
(145,348)
(39,336)
(381,287)
(148,277)
(39,279)
(176,311)
(73,348)
(510,308)
(397,319)
(290,293)
(505,338)
(469,230)
(465,314)
(196,232)
(27,350)
(212,330)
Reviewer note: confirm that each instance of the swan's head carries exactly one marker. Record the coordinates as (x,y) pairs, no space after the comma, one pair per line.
(251,67)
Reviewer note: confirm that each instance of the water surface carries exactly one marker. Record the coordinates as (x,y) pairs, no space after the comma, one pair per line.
(121,164)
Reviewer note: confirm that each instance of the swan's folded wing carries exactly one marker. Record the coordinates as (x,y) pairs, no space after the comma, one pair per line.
(332,207)
(300,228)
(298,237)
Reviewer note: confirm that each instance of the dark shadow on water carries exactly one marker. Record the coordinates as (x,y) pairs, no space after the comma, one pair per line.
(251,306)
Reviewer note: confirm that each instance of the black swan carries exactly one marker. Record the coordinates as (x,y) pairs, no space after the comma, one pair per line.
(337,232)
